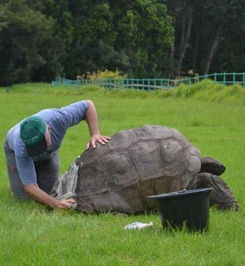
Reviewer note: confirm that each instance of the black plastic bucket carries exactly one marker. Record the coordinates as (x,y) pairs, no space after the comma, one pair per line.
(188,208)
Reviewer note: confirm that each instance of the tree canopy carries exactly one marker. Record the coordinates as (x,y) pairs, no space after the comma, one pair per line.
(41,39)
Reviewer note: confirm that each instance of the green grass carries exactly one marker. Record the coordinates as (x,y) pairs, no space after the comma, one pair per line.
(212,117)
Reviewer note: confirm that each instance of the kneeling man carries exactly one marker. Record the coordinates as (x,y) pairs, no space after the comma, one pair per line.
(31,150)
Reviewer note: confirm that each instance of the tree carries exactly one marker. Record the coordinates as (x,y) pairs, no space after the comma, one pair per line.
(204,32)
(133,36)
(229,37)
(188,10)
(23,39)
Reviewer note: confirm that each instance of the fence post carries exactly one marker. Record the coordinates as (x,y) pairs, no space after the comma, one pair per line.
(215,77)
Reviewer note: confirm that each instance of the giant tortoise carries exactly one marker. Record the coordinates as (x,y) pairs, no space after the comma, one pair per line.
(118,176)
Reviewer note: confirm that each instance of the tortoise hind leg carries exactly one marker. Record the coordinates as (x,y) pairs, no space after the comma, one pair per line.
(221,196)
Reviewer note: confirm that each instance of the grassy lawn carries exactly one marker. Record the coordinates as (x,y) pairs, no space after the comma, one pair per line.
(32,235)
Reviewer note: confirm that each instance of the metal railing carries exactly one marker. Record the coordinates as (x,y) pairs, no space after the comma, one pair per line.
(152,84)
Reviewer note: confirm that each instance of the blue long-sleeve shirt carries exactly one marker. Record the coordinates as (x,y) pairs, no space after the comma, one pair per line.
(59,120)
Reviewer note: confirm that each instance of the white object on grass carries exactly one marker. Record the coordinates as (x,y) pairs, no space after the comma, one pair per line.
(137,225)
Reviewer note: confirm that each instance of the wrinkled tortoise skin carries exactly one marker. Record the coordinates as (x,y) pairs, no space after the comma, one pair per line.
(221,195)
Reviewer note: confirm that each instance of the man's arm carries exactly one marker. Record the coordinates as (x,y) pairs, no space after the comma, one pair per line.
(42,197)
(93,125)
(26,168)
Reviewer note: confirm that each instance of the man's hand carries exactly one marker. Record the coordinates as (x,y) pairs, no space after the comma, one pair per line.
(97,138)
(92,120)
(39,195)
(64,204)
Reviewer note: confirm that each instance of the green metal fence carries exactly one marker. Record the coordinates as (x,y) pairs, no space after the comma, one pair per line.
(152,84)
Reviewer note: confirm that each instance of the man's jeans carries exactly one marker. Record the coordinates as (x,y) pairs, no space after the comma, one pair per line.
(47,173)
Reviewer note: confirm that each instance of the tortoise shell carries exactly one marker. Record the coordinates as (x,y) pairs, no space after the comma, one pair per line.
(134,164)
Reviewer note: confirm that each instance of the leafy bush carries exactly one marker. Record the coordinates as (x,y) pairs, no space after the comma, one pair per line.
(105,74)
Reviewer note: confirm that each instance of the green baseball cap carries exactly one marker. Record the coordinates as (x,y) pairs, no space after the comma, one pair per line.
(32,132)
